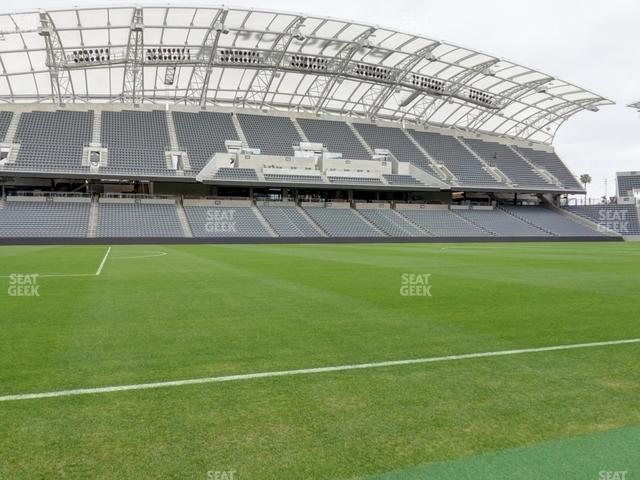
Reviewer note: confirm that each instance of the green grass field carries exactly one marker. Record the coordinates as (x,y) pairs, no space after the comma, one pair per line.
(162,313)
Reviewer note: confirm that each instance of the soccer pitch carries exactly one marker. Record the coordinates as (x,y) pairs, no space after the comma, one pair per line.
(97,317)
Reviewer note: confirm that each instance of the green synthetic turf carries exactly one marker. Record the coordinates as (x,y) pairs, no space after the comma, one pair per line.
(204,311)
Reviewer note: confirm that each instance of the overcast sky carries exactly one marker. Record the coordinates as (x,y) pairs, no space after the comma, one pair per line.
(595,45)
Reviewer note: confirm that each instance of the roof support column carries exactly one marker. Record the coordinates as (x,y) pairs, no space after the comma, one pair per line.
(61,85)
(261,84)
(133,82)
(200,76)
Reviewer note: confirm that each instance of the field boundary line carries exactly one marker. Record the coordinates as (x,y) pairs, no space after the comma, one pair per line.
(308,371)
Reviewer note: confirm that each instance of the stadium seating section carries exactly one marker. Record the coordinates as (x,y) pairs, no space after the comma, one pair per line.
(449,152)
(622,219)
(137,142)
(47,217)
(342,222)
(397,142)
(138,220)
(216,221)
(203,134)
(391,222)
(288,222)
(518,170)
(444,223)
(552,163)
(550,221)
(43,219)
(5,121)
(272,135)
(628,183)
(336,136)
(53,141)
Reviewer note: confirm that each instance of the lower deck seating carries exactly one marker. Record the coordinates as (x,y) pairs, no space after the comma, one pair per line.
(550,221)
(622,219)
(288,222)
(443,223)
(501,223)
(44,219)
(24,217)
(138,220)
(341,222)
(216,221)
(391,222)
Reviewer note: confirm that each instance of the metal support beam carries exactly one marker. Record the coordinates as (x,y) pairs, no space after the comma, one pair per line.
(198,87)
(428,106)
(261,85)
(379,96)
(133,82)
(508,97)
(322,86)
(61,84)
(543,119)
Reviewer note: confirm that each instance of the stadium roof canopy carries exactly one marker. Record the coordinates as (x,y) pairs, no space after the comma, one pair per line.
(241,57)
(635,105)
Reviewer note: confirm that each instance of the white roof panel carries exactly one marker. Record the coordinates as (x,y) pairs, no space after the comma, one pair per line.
(268,59)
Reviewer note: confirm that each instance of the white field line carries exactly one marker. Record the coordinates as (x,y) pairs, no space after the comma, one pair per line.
(307,371)
(104,259)
(53,275)
(148,254)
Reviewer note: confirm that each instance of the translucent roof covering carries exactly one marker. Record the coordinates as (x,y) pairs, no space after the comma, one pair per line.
(242,57)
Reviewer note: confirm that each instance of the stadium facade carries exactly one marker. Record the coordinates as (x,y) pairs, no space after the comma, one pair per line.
(220,123)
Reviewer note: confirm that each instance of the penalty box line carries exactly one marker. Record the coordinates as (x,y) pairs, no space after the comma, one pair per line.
(104,260)
(54,275)
(309,371)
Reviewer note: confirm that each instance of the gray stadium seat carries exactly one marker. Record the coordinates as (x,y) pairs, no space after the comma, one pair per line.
(501,223)
(552,163)
(551,221)
(203,134)
(336,136)
(391,222)
(272,135)
(138,220)
(396,141)
(215,221)
(443,223)
(514,167)
(619,218)
(341,222)
(53,141)
(44,219)
(137,142)
(5,121)
(448,151)
(627,184)
(288,222)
